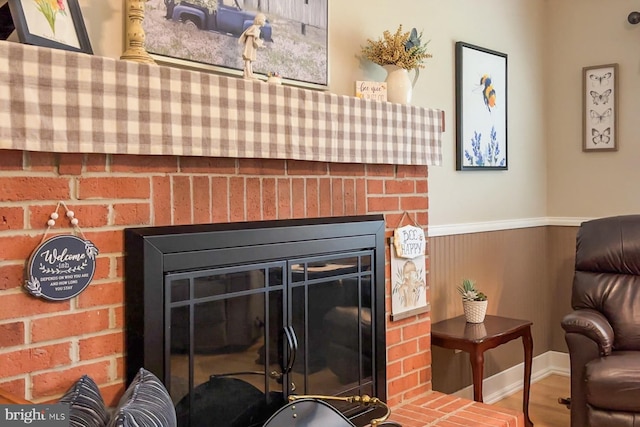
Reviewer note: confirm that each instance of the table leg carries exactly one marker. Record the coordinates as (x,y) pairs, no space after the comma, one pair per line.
(477,368)
(527,342)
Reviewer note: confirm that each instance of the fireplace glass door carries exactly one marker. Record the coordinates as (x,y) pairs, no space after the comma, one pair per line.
(330,312)
(236,348)
(234,318)
(226,368)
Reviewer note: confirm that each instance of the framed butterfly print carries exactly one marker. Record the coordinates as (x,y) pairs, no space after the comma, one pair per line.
(600,108)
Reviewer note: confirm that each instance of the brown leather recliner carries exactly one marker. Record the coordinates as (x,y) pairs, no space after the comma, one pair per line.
(603,333)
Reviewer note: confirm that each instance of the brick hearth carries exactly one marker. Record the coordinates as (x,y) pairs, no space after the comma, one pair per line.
(441,410)
(47,345)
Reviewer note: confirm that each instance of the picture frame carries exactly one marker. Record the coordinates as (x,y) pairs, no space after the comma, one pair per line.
(481,108)
(600,108)
(295,39)
(38,23)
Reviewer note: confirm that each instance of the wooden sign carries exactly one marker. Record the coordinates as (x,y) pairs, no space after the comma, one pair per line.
(376,91)
(61,267)
(409,241)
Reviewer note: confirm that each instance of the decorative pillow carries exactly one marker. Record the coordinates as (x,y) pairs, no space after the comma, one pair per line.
(145,403)
(86,406)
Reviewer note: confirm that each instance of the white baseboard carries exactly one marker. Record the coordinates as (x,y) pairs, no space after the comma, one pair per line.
(509,381)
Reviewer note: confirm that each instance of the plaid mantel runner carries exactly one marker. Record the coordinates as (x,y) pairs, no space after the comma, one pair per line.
(54,100)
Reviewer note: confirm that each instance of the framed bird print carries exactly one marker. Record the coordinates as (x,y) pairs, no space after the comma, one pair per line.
(481,108)
(600,105)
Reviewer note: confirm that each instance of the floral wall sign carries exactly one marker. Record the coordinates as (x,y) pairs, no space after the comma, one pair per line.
(481,108)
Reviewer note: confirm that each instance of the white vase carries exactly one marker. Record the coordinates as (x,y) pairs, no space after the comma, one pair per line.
(399,85)
(474,311)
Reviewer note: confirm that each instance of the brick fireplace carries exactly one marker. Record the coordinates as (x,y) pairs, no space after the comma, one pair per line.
(47,345)
(130,145)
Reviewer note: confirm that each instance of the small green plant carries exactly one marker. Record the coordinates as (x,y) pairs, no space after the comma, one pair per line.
(469,292)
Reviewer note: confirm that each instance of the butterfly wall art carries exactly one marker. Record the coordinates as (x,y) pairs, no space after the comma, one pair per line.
(600,106)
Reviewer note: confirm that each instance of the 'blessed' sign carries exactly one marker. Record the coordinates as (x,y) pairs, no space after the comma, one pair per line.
(61,267)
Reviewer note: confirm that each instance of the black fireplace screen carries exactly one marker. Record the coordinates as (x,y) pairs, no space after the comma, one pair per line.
(235,317)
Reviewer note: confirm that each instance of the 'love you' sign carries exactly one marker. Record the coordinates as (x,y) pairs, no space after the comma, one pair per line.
(61,267)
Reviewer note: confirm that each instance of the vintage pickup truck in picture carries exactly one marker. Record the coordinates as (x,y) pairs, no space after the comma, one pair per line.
(213,15)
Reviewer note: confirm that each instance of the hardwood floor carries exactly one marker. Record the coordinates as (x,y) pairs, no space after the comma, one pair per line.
(544,409)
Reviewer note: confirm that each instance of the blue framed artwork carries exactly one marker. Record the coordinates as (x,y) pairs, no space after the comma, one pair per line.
(481,108)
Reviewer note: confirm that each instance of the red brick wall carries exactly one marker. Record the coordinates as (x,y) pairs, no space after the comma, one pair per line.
(45,346)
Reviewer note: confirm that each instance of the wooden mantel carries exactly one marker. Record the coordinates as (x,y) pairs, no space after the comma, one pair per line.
(59,101)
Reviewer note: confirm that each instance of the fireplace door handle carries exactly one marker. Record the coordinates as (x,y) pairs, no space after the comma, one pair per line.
(293,347)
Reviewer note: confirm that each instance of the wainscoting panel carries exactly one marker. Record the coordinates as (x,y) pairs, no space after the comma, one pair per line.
(523,272)
(561,262)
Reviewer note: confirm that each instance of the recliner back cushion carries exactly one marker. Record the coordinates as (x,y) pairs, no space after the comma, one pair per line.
(607,276)
(609,245)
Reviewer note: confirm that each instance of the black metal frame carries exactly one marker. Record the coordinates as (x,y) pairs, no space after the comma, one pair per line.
(151,252)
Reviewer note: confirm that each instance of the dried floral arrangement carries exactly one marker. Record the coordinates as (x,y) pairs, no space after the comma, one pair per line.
(404,49)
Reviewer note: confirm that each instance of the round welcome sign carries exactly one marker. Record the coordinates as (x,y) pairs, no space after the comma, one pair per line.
(61,267)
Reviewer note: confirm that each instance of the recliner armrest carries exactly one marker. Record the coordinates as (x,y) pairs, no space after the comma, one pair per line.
(593,325)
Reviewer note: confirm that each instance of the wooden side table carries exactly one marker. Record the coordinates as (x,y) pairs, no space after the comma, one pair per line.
(476,338)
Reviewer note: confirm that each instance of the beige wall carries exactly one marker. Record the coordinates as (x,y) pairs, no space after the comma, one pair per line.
(105,24)
(585,33)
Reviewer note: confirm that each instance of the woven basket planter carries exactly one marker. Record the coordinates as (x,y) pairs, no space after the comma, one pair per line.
(474,311)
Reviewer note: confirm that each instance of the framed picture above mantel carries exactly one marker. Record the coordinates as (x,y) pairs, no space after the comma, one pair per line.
(205,34)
